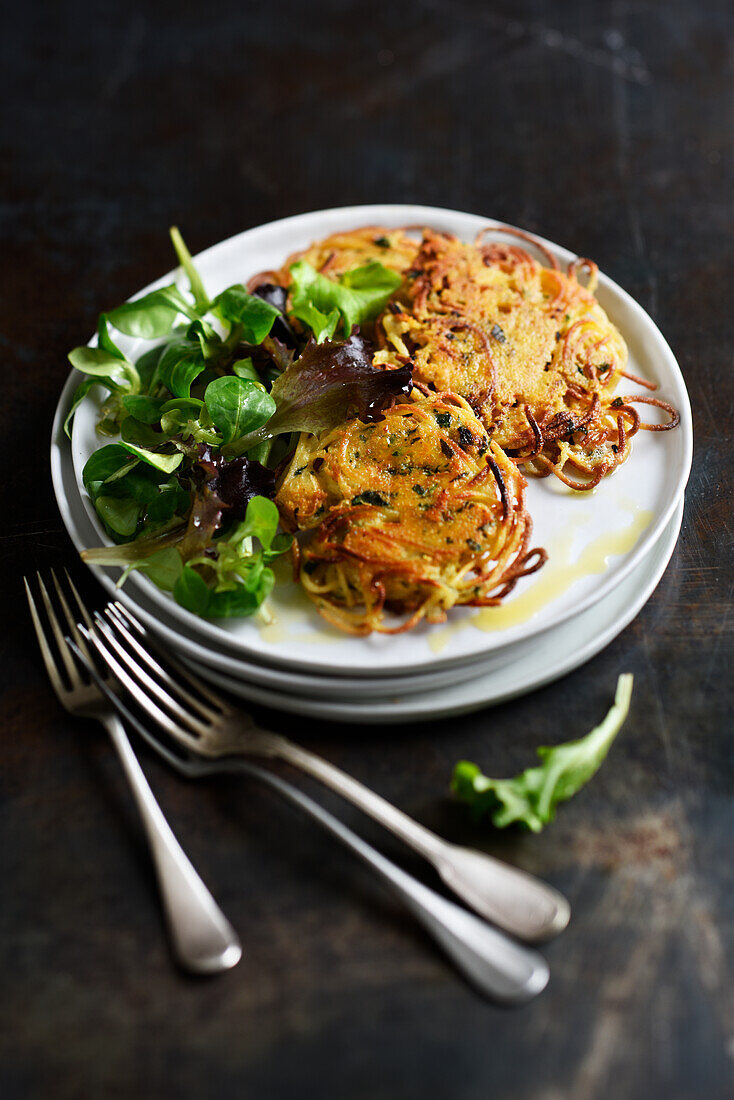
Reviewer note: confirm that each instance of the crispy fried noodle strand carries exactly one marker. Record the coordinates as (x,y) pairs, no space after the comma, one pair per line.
(515,367)
(528,345)
(437,532)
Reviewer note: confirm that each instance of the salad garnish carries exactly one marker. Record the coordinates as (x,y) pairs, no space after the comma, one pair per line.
(202,418)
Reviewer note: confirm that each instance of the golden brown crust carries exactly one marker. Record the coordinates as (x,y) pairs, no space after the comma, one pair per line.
(515,364)
(527,345)
(411,515)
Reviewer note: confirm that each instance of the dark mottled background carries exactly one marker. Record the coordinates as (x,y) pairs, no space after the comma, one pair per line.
(605,126)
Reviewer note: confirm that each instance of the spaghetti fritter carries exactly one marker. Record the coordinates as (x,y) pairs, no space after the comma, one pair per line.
(413,515)
(528,346)
(515,364)
(386,386)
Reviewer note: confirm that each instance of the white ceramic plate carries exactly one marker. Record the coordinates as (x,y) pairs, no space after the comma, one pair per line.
(594,539)
(502,670)
(82,532)
(536,661)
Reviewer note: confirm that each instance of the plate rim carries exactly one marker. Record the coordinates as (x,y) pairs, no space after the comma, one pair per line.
(166,630)
(210,635)
(314,708)
(485,665)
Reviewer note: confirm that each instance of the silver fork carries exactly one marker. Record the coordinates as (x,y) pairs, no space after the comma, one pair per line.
(202,937)
(198,719)
(496,965)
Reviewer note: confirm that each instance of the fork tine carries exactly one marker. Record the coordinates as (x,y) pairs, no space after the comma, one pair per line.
(147,681)
(71,669)
(130,618)
(184,765)
(82,609)
(70,619)
(48,660)
(141,698)
(122,613)
(143,654)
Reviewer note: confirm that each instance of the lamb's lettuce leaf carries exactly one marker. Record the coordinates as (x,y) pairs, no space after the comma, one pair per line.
(143,408)
(251,312)
(153,315)
(131,492)
(117,374)
(179,366)
(201,297)
(188,419)
(166,463)
(164,567)
(109,462)
(105,363)
(78,396)
(237,406)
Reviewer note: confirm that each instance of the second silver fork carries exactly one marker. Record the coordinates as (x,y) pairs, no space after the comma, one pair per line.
(204,724)
(496,965)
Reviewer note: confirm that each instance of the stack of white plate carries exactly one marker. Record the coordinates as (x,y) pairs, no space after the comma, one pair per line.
(607,549)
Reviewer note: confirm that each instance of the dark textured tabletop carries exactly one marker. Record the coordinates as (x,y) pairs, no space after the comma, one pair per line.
(607,127)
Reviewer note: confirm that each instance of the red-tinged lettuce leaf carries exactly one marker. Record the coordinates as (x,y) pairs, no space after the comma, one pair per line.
(268,359)
(277,296)
(273,293)
(205,519)
(235,482)
(329,384)
(281,353)
(221,491)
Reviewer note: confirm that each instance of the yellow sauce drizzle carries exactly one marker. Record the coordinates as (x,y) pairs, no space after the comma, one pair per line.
(292,612)
(556,577)
(291,615)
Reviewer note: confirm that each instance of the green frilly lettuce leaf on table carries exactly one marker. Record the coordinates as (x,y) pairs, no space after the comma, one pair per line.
(530,798)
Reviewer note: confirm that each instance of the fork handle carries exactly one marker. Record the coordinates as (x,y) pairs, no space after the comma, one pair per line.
(512,899)
(203,940)
(492,962)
